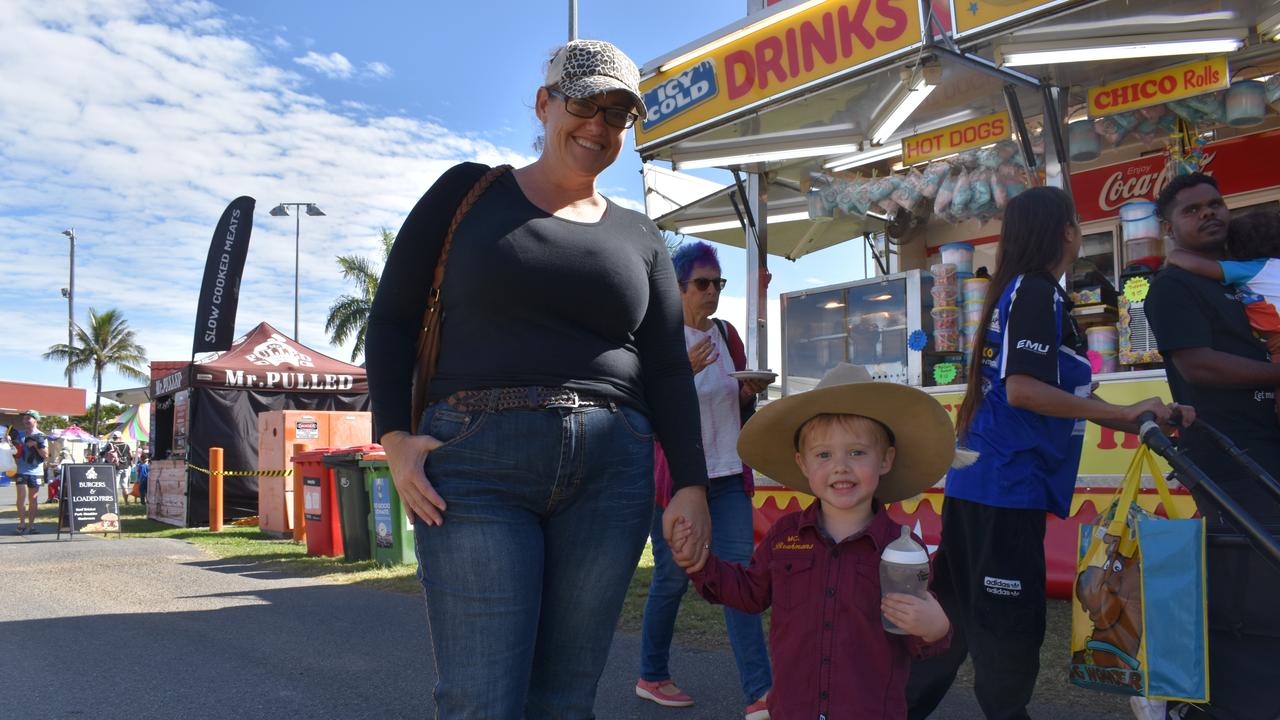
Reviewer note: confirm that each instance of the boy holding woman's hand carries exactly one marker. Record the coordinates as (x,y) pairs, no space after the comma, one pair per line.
(855,445)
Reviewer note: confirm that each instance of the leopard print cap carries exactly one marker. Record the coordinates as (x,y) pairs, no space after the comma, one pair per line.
(583,68)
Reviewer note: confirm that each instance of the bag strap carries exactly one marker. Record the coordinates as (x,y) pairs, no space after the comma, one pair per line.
(1116,513)
(1162,488)
(424,365)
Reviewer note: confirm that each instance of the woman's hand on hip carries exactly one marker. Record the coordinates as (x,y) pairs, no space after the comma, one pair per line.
(702,354)
(406,456)
(689,503)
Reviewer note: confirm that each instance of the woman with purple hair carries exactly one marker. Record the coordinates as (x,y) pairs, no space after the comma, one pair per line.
(724,402)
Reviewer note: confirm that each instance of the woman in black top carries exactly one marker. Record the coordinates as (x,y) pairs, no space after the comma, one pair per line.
(562,356)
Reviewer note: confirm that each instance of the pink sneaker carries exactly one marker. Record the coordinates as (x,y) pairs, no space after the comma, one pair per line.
(758,710)
(663,692)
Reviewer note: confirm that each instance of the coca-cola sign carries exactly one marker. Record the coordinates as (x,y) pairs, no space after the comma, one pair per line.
(1140,182)
(1100,192)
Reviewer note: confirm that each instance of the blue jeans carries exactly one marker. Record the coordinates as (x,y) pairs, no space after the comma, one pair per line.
(731,540)
(524,581)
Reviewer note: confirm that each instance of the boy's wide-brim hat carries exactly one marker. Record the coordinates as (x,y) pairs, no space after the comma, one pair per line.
(923,433)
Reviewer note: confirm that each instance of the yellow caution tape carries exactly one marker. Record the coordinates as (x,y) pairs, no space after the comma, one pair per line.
(244,473)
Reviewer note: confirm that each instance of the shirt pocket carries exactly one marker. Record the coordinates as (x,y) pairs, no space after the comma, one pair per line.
(794,581)
(866,589)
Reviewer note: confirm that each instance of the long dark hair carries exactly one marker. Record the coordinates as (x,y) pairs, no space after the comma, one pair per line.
(1031,240)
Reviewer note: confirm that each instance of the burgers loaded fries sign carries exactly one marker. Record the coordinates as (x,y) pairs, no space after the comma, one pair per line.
(88,500)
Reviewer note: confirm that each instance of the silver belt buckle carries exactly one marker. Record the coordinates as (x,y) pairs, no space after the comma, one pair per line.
(573,401)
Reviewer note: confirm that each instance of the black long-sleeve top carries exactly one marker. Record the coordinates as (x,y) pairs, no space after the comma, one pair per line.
(533,299)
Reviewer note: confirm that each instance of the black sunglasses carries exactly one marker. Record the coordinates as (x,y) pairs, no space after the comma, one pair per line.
(581,107)
(703,283)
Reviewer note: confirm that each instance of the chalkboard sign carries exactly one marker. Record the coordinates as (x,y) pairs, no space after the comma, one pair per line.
(89,499)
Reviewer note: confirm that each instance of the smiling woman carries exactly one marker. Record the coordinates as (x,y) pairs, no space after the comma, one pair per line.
(562,355)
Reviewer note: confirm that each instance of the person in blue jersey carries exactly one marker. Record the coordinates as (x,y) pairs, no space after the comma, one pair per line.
(1029,395)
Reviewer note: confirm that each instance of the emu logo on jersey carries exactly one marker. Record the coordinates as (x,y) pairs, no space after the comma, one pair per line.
(1035,347)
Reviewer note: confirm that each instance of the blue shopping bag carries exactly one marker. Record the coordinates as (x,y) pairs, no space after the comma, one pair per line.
(1139,607)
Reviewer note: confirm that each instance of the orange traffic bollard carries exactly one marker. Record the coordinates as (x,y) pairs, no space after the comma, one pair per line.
(215,489)
(299,500)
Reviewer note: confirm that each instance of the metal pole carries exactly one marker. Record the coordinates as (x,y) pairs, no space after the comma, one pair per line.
(757,243)
(573,19)
(71,300)
(297,233)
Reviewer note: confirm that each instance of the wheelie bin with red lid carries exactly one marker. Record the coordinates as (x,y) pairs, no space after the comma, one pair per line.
(319,502)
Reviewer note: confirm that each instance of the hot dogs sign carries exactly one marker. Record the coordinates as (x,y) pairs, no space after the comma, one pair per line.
(780,55)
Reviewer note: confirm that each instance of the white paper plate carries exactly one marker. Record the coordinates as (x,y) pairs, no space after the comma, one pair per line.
(755,375)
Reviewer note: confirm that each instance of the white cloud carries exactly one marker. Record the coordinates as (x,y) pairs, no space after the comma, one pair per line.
(628,203)
(334,65)
(378,70)
(137,130)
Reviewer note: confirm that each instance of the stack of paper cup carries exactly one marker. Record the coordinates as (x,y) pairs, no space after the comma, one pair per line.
(1103,340)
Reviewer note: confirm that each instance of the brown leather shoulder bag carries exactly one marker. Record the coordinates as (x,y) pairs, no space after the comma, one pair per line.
(429,339)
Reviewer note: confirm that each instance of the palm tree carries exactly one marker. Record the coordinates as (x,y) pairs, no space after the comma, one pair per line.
(107,344)
(349,314)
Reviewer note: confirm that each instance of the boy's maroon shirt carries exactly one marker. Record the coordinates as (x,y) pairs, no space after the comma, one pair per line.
(831,656)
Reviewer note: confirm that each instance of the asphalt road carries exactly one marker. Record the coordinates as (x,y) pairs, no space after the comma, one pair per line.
(110,628)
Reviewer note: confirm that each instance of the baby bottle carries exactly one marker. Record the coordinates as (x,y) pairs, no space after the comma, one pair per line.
(904,568)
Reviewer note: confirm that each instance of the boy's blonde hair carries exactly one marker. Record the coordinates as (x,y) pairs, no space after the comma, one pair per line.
(850,422)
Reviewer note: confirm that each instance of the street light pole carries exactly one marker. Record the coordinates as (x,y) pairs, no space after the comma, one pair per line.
(71,299)
(282,210)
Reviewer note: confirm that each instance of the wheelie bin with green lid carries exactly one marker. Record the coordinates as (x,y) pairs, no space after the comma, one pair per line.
(390,532)
(353,499)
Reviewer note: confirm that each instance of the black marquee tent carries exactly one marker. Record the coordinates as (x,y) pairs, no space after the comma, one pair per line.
(215,402)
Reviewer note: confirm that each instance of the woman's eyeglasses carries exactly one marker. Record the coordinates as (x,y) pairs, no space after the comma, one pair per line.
(703,283)
(587,109)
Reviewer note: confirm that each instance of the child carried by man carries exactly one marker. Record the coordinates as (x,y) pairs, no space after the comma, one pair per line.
(1253,270)
(855,445)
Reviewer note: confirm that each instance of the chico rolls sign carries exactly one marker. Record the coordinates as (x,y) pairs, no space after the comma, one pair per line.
(956,138)
(1161,86)
(778,58)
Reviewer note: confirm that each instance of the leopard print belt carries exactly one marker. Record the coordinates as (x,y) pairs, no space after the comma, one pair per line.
(523,398)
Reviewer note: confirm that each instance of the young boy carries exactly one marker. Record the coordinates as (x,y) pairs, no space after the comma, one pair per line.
(855,445)
(1253,243)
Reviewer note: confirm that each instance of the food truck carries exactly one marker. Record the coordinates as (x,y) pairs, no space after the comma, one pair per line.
(906,126)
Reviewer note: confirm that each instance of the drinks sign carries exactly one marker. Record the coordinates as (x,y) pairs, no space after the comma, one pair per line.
(956,138)
(89,499)
(1161,86)
(781,55)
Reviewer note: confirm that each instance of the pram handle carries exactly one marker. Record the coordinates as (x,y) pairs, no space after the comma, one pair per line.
(1193,477)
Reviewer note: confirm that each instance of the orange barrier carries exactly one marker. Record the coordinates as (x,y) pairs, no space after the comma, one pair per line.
(215,489)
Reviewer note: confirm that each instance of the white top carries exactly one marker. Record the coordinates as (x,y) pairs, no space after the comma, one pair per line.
(718,403)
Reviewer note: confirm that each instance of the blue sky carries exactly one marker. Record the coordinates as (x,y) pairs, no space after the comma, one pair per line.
(135,122)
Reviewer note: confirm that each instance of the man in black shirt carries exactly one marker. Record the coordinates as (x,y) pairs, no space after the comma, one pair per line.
(1216,364)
